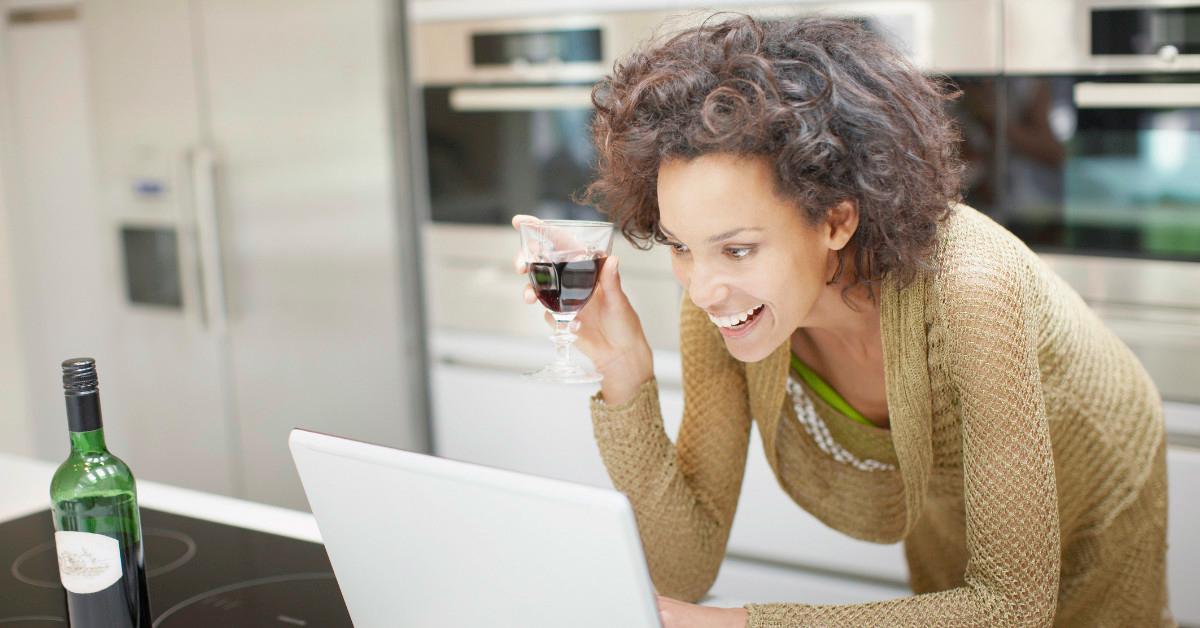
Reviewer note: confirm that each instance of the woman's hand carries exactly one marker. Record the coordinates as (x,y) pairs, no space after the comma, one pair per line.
(676,614)
(609,331)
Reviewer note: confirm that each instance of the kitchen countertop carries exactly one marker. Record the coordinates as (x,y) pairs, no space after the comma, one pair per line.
(27,481)
(27,490)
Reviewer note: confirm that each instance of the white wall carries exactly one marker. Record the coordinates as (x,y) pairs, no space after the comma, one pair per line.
(14,416)
(53,240)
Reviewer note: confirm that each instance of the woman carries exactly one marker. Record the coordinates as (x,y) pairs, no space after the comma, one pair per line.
(916,373)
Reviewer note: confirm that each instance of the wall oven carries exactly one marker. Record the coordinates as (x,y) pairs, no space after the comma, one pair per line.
(507,111)
(1080,123)
(1098,162)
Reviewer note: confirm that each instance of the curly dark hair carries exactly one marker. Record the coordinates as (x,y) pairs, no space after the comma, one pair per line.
(841,114)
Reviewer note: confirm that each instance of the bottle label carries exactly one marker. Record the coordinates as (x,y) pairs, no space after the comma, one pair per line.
(87,562)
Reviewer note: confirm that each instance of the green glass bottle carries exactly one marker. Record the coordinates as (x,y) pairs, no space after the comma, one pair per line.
(98,530)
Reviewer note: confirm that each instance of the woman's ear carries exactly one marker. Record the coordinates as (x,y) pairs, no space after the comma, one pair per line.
(841,221)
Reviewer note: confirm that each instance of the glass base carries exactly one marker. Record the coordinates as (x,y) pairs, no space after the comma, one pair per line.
(565,374)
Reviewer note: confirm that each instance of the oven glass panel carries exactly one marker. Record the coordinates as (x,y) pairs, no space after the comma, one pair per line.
(1144,31)
(486,165)
(1117,178)
(571,46)
(1065,177)
(975,112)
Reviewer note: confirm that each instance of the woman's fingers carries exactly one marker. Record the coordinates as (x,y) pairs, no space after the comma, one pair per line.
(562,242)
(610,279)
(520,218)
(529,296)
(519,263)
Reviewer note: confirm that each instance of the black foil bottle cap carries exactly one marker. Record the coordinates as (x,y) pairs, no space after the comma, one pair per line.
(79,376)
(82,390)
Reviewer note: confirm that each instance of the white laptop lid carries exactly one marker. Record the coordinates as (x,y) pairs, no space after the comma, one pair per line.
(417,540)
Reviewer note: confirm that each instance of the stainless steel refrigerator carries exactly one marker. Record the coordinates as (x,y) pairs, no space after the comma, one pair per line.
(253,184)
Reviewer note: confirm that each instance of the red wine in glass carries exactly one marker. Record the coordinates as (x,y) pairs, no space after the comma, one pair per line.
(565,286)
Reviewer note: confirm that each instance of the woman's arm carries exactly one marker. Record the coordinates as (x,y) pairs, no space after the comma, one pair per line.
(1011,505)
(684,494)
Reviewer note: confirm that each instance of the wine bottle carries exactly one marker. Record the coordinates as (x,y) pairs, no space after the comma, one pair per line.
(97,527)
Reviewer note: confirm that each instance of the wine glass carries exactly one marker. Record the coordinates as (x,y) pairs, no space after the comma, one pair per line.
(565,258)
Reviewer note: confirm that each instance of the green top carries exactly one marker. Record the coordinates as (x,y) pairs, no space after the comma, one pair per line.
(827,393)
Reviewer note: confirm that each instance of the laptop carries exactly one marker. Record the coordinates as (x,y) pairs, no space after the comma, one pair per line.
(417,540)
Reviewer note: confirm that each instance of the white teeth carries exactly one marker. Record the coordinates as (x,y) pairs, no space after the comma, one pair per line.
(730,321)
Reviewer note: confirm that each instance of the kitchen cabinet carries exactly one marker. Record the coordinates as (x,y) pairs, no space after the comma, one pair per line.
(1183,544)
(500,419)
(743,581)
(485,412)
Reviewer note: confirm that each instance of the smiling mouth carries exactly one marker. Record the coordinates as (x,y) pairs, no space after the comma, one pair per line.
(737,320)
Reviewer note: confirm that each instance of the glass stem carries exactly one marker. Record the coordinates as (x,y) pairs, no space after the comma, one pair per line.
(562,339)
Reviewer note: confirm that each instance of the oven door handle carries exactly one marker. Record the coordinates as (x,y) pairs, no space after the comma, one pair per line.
(473,99)
(1137,95)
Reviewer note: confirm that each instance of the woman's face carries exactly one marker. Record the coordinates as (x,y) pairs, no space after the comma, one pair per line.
(747,257)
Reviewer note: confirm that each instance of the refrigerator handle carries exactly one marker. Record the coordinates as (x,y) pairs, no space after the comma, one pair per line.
(208,242)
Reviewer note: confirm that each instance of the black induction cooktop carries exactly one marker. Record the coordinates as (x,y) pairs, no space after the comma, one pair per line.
(200,574)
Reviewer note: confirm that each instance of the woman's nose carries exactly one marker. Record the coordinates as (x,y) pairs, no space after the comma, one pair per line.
(707,290)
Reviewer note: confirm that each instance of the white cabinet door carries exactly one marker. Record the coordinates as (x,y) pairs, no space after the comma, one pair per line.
(495,417)
(769,525)
(742,582)
(498,418)
(1183,544)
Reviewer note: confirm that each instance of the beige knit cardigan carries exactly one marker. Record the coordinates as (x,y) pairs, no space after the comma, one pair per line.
(1027,476)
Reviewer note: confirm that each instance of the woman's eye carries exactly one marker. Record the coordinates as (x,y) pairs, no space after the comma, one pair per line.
(678,247)
(738,252)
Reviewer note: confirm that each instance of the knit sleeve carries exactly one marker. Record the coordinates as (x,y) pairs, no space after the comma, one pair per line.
(1011,506)
(684,494)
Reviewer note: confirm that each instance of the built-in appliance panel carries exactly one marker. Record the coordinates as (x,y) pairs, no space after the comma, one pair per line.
(1056,36)
(445,53)
(1099,143)
(1145,30)
(1104,164)
(507,109)
(1153,306)
(949,36)
(151,257)
(507,104)
(493,152)
(975,112)
(1129,282)
(564,45)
